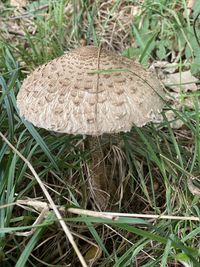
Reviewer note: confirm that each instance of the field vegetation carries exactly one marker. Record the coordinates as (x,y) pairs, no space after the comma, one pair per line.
(155,168)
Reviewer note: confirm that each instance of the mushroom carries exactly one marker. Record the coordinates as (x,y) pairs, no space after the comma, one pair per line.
(91,91)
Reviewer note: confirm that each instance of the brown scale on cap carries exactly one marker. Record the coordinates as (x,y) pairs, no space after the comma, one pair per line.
(70,94)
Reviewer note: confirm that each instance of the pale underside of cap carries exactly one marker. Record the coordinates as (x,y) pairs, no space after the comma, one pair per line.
(90,91)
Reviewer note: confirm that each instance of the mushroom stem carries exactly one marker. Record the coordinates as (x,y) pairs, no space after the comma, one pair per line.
(98,177)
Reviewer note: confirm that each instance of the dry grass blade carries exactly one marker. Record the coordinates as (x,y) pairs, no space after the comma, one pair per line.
(56,211)
(116,215)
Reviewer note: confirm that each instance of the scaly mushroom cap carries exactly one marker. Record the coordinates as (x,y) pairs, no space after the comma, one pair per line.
(90,91)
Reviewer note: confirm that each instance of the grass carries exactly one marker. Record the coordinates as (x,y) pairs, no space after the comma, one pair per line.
(151,165)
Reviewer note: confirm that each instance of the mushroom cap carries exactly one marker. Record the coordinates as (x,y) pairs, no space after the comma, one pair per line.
(90,91)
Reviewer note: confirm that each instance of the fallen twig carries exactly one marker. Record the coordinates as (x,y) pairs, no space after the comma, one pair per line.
(115,215)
